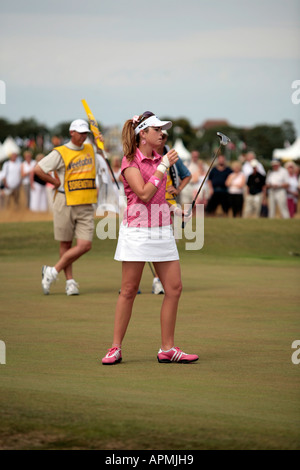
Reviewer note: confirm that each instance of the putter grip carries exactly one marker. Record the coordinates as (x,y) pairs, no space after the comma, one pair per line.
(189,212)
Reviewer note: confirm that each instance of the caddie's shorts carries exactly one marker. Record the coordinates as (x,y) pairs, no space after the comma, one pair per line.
(72,221)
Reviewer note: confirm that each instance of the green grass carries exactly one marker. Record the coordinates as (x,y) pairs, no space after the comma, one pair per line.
(239,311)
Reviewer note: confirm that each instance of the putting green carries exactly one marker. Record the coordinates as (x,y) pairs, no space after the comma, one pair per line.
(239,311)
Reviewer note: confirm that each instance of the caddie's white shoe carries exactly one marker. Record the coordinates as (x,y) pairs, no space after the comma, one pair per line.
(157,287)
(72,288)
(47,279)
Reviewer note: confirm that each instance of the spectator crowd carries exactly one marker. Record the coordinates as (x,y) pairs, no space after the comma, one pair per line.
(244,188)
(19,183)
(241,188)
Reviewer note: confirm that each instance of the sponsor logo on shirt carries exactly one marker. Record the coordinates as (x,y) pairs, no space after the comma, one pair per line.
(78,185)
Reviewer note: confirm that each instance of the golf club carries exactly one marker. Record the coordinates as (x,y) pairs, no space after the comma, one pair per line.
(152,269)
(223,141)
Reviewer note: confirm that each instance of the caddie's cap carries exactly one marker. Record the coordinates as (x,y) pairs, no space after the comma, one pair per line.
(79,125)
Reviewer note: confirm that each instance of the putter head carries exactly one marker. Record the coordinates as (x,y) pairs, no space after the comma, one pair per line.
(224,139)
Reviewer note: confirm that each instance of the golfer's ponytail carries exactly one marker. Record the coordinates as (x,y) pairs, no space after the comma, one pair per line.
(130,140)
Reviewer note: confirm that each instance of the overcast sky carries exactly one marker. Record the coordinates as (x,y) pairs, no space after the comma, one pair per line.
(198,59)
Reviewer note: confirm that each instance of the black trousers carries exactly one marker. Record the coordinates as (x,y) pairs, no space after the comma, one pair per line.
(218,199)
(236,202)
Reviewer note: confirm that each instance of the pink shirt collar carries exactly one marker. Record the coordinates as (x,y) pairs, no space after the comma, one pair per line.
(141,156)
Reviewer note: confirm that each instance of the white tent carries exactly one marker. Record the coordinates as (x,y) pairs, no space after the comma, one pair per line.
(183,153)
(9,146)
(289,153)
(2,153)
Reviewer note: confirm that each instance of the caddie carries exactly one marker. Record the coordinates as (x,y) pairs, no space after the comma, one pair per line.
(75,167)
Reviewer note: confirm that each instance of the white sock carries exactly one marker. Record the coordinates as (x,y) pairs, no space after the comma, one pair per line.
(70,281)
(54,272)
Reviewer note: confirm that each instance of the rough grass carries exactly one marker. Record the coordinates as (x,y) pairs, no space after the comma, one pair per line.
(239,311)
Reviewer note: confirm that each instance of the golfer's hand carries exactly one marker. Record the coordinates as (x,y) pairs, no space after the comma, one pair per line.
(172,157)
(185,215)
(167,160)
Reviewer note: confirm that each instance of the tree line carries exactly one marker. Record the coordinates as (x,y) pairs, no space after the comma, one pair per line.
(262,139)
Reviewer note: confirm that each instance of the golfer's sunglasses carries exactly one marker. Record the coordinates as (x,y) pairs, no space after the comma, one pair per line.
(145,115)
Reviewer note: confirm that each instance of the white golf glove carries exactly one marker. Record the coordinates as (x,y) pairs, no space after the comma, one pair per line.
(164,164)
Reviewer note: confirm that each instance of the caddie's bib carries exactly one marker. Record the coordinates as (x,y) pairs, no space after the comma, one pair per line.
(170,182)
(80,173)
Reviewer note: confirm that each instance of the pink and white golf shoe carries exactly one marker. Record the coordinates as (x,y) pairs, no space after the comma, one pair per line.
(176,355)
(114,356)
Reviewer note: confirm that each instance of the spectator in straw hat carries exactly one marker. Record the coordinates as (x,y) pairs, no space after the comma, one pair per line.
(277,183)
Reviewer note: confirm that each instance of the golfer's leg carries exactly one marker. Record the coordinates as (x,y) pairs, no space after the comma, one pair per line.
(170,276)
(72,254)
(131,277)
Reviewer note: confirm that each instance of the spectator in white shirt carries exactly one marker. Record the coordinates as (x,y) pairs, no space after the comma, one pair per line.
(12,179)
(236,183)
(277,183)
(292,190)
(247,168)
(26,167)
(186,195)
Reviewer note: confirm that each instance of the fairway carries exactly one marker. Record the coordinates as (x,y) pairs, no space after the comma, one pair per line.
(239,311)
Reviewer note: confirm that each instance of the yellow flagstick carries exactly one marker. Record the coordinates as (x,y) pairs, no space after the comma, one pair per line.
(96,133)
(93,125)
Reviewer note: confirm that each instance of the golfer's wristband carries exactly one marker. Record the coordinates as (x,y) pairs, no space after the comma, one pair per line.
(162,168)
(155,181)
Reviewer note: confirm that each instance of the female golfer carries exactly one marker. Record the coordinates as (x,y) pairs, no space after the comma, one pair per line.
(146,234)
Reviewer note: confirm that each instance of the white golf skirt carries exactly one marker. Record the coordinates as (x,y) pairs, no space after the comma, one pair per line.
(146,244)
